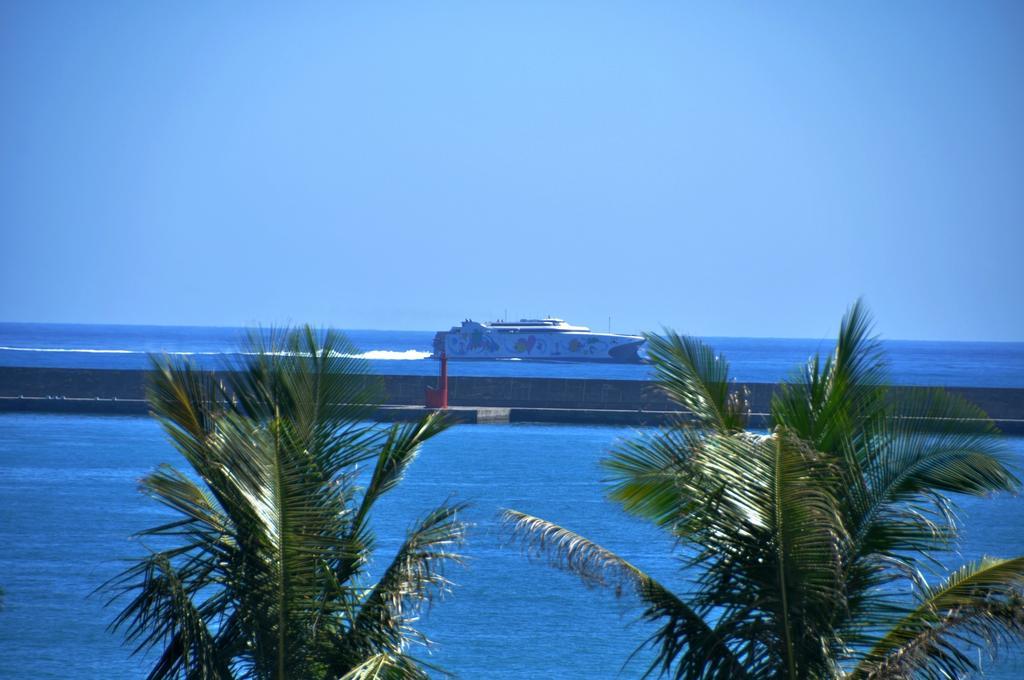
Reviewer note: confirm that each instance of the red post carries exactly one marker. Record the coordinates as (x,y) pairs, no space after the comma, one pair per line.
(437,397)
(444,380)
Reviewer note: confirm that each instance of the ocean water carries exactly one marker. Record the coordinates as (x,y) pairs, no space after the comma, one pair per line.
(69,502)
(963,364)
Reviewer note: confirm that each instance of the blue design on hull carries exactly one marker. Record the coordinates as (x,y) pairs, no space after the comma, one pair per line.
(536,340)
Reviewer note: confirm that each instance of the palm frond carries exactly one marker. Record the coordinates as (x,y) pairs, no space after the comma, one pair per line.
(686,645)
(309,374)
(397,452)
(646,474)
(797,539)
(163,612)
(374,668)
(268,545)
(415,577)
(809,539)
(384,667)
(939,441)
(933,444)
(178,492)
(184,396)
(768,535)
(979,605)
(829,403)
(697,379)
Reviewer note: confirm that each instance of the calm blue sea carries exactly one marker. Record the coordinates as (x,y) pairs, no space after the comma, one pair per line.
(964,364)
(68,504)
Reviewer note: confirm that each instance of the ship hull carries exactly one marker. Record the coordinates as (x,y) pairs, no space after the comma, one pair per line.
(570,347)
(551,360)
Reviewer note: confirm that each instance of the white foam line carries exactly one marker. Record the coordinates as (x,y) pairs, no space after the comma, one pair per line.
(379,354)
(389,355)
(64,349)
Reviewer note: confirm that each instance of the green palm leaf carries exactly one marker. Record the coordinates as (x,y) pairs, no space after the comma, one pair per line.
(396,453)
(829,403)
(978,605)
(415,574)
(686,644)
(646,474)
(933,442)
(264,577)
(809,538)
(697,379)
(382,667)
(798,539)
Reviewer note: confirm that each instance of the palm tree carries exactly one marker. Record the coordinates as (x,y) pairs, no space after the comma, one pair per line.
(802,544)
(263,571)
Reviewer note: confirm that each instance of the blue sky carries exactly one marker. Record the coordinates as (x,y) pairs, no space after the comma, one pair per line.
(743,169)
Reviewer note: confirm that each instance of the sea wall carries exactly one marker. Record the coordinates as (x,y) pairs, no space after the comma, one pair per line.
(544,399)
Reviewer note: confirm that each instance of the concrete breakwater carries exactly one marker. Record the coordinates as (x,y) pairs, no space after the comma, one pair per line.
(475,399)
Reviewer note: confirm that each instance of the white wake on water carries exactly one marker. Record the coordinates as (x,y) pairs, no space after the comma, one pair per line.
(83,351)
(376,354)
(390,355)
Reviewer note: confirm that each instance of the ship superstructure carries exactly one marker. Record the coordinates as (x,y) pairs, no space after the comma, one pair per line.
(547,339)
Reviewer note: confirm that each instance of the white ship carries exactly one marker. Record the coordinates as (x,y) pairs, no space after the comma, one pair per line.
(536,339)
